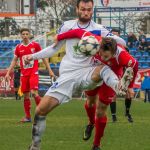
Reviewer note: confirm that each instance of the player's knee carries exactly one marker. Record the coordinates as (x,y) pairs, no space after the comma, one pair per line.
(100,113)
(34,93)
(40,111)
(101,110)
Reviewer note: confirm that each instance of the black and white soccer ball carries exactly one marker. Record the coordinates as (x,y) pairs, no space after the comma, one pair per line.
(88,45)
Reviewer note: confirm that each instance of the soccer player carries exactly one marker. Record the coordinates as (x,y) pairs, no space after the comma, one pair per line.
(75,71)
(128,98)
(118,59)
(29,72)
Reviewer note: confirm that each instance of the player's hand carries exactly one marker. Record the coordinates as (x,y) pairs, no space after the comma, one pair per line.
(51,74)
(27,58)
(131,92)
(55,40)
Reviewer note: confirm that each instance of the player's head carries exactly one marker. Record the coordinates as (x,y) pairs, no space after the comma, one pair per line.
(84,10)
(25,34)
(108,48)
(115,31)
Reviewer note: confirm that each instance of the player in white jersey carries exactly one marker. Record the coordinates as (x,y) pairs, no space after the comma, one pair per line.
(76,71)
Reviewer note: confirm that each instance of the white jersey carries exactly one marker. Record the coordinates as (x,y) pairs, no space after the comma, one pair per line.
(72,61)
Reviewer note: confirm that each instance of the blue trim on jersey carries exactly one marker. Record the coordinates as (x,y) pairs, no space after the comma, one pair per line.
(110,34)
(59,29)
(96,32)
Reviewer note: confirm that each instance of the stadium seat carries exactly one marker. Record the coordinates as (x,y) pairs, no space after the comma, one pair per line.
(146,54)
(132,53)
(52,66)
(148,60)
(145,65)
(58,65)
(142,59)
(138,54)
(133,49)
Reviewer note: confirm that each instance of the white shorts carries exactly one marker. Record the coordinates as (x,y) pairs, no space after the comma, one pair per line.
(68,82)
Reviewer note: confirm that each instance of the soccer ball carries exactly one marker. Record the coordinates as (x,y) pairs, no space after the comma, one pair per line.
(88,45)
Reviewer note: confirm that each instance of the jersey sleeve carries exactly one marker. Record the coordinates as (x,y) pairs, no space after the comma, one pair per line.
(38,47)
(126,60)
(76,33)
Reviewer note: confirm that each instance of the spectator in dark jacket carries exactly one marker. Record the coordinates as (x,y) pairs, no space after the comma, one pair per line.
(131,40)
(143,45)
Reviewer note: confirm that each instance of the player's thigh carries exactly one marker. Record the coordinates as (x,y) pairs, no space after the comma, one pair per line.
(91,96)
(34,82)
(106,94)
(25,85)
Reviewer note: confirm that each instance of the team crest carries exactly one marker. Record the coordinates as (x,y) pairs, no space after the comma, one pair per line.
(130,62)
(32,50)
(109,63)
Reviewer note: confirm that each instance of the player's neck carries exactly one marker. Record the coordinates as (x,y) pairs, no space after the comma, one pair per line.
(25,42)
(83,25)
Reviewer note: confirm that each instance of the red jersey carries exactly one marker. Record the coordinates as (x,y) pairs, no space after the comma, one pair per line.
(20,51)
(122,59)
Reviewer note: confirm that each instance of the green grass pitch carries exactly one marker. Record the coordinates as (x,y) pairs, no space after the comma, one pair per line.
(65,128)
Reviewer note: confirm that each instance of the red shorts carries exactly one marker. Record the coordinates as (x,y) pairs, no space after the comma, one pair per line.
(29,83)
(105,93)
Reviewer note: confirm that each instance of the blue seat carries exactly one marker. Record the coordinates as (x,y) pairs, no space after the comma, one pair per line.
(148,60)
(145,65)
(52,66)
(138,54)
(142,59)
(133,49)
(145,54)
(58,65)
(132,53)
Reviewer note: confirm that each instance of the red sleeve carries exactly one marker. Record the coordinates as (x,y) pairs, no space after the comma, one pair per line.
(38,47)
(76,33)
(126,60)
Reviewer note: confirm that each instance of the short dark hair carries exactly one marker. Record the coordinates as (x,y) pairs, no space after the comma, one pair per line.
(86,1)
(109,44)
(115,30)
(24,29)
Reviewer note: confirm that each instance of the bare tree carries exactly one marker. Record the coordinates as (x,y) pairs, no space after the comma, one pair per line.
(144,20)
(57,9)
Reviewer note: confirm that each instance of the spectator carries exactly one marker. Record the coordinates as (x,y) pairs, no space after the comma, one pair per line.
(115,31)
(146,87)
(131,40)
(141,36)
(143,45)
(148,46)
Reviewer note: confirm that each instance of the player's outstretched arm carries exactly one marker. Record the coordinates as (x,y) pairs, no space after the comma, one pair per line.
(45,53)
(76,33)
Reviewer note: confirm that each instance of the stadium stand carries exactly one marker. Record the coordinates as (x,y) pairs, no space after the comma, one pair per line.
(6,52)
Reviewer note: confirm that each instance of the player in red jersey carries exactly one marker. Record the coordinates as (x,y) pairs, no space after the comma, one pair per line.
(29,72)
(116,57)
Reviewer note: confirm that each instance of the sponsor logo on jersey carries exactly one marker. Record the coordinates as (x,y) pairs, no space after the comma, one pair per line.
(21,51)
